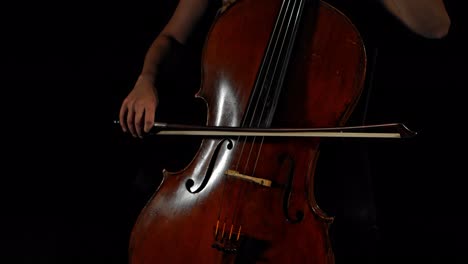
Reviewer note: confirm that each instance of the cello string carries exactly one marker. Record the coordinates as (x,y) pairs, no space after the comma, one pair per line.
(276,28)
(297,15)
(283,51)
(268,88)
(282,39)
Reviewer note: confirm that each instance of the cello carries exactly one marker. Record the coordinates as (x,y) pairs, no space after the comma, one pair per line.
(250,198)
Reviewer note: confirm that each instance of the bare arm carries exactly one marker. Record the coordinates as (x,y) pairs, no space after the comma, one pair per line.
(178,29)
(138,108)
(427,18)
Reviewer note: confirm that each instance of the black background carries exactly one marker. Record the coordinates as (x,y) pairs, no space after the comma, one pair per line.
(73,183)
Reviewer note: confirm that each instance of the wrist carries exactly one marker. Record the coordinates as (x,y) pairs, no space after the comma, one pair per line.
(147,77)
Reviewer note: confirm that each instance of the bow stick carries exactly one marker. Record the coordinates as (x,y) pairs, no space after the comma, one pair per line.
(393,130)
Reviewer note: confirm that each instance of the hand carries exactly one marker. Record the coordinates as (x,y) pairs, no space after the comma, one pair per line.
(139,107)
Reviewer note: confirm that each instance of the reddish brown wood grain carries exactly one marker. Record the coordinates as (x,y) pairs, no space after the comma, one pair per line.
(323,85)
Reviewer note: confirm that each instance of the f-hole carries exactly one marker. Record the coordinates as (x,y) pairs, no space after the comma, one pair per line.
(190,183)
(286,159)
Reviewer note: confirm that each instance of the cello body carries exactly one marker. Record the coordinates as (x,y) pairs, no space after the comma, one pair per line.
(251,199)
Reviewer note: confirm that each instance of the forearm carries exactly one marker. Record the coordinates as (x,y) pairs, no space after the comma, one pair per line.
(427,18)
(157,55)
(174,35)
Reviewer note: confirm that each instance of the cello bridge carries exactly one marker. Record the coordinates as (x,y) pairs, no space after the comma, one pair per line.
(260,181)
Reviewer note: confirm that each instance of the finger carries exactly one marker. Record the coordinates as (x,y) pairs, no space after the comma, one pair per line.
(149,118)
(123,110)
(130,120)
(138,120)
